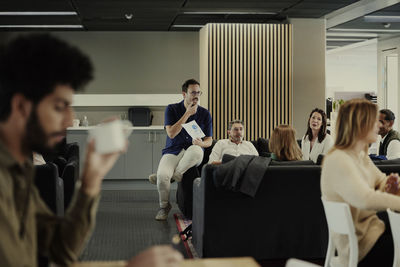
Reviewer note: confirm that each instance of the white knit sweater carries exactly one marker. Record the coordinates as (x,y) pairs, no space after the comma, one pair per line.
(354,179)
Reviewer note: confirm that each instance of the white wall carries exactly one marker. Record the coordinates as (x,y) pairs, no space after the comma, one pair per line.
(308,70)
(137,62)
(133,63)
(353,70)
(384,47)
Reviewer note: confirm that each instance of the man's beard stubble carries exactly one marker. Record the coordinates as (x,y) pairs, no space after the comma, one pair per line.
(36,139)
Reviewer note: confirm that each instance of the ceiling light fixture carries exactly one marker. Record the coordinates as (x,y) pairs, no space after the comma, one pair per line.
(364,30)
(42,26)
(38,13)
(345,39)
(382,19)
(129,16)
(351,34)
(187,26)
(227,13)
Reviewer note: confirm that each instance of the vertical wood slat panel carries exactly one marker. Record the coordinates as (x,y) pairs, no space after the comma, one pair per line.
(275,78)
(225,90)
(257,91)
(229,87)
(290,75)
(218,79)
(265,131)
(242,72)
(253,79)
(213,33)
(250,77)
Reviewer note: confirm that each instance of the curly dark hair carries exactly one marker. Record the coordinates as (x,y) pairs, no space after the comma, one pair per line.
(35,64)
(322,130)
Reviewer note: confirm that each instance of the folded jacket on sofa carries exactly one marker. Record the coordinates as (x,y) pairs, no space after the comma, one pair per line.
(242,174)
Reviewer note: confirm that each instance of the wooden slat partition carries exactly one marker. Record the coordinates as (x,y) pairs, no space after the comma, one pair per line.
(248,76)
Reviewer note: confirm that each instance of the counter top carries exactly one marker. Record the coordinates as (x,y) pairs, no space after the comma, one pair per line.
(125,100)
(151,127)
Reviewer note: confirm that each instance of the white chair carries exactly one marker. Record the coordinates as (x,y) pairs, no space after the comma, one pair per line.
(340,221)
(299,263)
(394,219)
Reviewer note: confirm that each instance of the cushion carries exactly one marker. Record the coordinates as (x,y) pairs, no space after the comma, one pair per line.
(262,145)
(387,162)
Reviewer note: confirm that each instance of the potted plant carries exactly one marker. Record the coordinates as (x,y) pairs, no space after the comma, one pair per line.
(336,105)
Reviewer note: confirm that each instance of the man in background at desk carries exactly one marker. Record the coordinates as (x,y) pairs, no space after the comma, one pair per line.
(38,77)
(390,144)
(181,152)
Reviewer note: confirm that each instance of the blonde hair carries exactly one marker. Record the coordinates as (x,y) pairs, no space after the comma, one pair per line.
(283,143)
(355,120)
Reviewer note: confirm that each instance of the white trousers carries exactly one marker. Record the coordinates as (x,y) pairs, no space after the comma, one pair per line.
(178,164)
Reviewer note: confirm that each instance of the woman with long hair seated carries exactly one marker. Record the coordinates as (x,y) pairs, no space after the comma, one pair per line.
(283,144)
(349,176)
(316,141)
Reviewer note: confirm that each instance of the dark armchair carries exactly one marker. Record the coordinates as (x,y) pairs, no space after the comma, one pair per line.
(50,186)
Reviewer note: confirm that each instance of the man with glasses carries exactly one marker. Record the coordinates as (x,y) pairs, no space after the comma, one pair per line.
(390,143)
(181,151)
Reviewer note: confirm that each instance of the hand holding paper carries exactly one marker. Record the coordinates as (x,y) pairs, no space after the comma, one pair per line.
(193,129)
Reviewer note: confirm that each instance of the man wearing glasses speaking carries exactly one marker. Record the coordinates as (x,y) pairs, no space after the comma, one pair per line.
(181,151)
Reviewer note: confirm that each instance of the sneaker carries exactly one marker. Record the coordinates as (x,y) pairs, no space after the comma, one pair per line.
(162,213)
(153,178)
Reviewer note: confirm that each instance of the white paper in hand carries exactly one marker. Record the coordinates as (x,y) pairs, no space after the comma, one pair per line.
(193,129)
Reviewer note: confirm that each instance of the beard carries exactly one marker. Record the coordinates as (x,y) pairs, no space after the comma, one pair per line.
(36,138)
(237,138)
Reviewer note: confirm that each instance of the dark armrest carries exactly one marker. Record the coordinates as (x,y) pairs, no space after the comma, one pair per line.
(50,186)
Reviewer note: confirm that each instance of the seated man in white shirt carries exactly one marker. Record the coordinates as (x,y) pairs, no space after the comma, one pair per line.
(390,144)
(234,146)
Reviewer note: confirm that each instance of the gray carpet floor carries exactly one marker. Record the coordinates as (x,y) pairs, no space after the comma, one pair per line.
(125,225)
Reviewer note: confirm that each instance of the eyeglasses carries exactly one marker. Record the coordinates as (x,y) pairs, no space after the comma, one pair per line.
(194,93)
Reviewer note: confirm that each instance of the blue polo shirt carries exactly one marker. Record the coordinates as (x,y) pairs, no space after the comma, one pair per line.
(174,113)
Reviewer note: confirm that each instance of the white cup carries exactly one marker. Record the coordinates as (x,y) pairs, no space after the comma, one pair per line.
(111,136)
(75,122)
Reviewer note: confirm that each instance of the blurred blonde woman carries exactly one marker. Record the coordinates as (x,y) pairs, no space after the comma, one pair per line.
(349,176)
(283,144)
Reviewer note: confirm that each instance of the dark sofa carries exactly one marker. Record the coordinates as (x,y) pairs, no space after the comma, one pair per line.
(184,193)
(285,219)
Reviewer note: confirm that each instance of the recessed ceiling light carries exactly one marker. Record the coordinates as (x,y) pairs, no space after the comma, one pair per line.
(42,26)
(129,16)
(38,13)
(227,13)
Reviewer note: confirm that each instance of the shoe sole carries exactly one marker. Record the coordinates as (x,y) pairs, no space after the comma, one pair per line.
(163,218)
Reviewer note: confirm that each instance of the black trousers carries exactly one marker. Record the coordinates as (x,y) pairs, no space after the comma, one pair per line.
(382,253)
